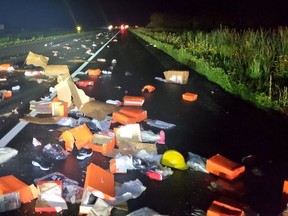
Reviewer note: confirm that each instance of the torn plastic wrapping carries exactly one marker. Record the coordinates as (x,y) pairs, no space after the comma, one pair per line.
(144,211)
(149,164)
(101,125)
(72,122)
(6,153)
(149,136)
(128,190)
(72,192)
(160,124)
(197,162)
(9,201)
(100,208)
(54,151)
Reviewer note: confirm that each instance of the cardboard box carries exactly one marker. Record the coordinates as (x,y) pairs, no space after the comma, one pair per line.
(50,197)
(59,109)
(129,132)
(138,113)
(99,182)
(123,118)
(10,184)
(129,115)
(102,143)
(94,109)
(148,88)
(189,96)
(133,100)
(81,135)
(175,76)
(218,208)
(224,167)
(94,72)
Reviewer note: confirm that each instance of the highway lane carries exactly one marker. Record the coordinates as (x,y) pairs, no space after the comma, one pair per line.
(71,51)
(216,123)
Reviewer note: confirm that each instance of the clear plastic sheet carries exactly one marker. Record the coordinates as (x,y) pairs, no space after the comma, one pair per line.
(128,190)
(54,151)
(197,162)
(160,124)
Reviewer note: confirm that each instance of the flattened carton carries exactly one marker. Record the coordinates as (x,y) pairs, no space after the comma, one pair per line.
(36,59)
(176,76)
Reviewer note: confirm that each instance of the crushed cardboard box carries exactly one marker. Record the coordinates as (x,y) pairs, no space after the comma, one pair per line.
(90,107)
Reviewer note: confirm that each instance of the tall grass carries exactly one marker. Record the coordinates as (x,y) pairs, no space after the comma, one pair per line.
(250,63)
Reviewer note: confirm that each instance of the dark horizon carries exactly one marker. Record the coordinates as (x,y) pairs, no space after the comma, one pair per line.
(66,14)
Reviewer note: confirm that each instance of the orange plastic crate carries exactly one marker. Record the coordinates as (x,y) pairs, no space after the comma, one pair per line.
(189,96)
(224,167)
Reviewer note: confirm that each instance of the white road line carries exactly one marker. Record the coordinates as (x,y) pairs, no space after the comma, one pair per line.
(17,128)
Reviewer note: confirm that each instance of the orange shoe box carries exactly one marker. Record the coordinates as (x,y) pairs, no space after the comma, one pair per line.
(123,118)
(137,113)
(218,208)
(94,72)
(189,96)
(98,145)
(133,100)
(224,167)
(59,108)
(10,183)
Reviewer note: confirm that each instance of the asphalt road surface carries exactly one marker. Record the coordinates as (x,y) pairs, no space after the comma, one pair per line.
(216,123)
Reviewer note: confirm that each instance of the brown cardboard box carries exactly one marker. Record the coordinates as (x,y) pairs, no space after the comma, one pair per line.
(176,76)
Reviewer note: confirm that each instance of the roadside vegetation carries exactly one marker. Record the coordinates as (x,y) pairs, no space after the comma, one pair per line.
(250,63)
(10,39)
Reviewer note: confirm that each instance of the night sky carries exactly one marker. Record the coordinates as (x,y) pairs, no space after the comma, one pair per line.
(65,14)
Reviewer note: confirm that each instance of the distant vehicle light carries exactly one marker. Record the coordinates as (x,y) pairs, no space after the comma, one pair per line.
(136,26)
(124,26)
(110,27)
(78,28)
